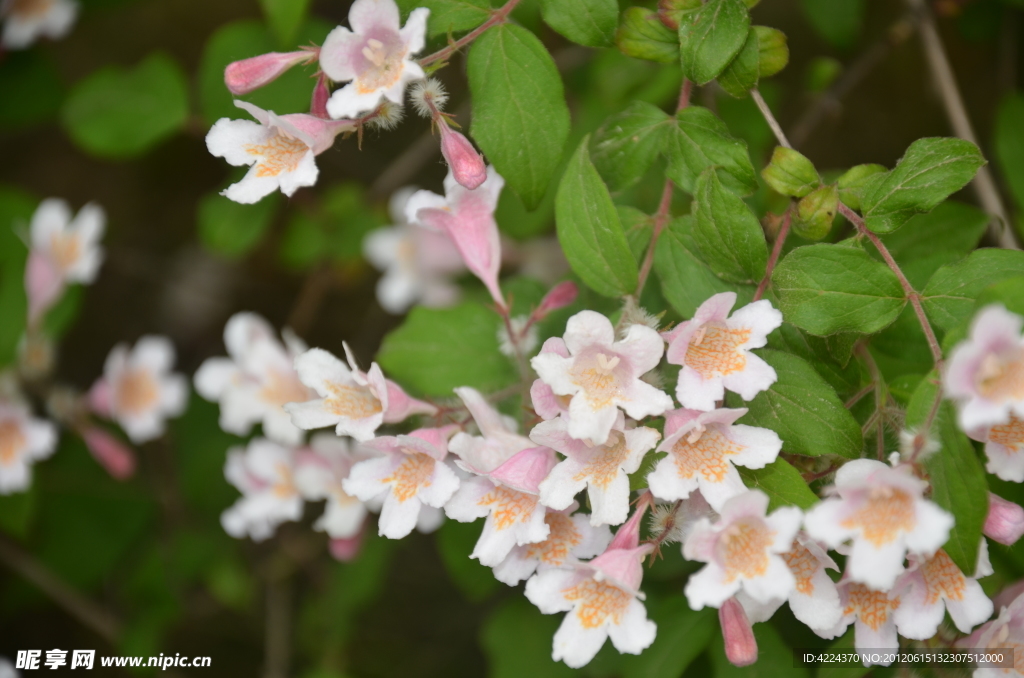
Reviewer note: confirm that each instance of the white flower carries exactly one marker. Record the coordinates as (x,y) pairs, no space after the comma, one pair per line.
(743,549)
(1004,448)
(602,469)
(570,538)
(499,443)
(603,375)
(23,441)
(256,381)
(411,473)
(873,615)
(985,374)
(138,389)
(1006,632)
(704,449)
(375,55)
(882,510)
(264,474)
(417,262)
(280,149)
(714,351)
(319,474)
(353,401)
(25,21)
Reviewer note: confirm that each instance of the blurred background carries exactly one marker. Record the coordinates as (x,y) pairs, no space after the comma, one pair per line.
(117,113)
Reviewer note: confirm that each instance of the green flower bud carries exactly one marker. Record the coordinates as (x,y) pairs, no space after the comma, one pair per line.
(773,51)
(791,173)
(815,212)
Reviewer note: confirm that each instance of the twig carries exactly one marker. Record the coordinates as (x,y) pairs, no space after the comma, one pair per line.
(859,395)
(952,101)
(755,94)
(497,17)
(780,240)
(78,606)
(880,397)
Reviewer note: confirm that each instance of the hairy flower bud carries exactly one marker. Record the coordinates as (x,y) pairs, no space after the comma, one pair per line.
(740,644)
(1005,520)
(113,455)
(247,75)
(467,166)
(321,93)
(559,296)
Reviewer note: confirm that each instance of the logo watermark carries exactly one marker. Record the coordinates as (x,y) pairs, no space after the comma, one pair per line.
(31,660)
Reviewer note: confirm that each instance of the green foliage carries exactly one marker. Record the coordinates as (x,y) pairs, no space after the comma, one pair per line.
(838,21)
(948,298)
(712,38)
(455,16)
(956,475)
(285,17)
(803,409)
(741,75)
(626,145)
(682,635)
(828,356)
(947,233)
(701,140)
(1009,143)
(782,483)
(851,183)
(436,350)
(815,212)
(727,233)
(517,641)
(642,35)
(826,289)
(520,118)
(589,229)
(791,173)
(930,171)
(587,22)
(455,542)
(120,113)
(331,231)
(231,229)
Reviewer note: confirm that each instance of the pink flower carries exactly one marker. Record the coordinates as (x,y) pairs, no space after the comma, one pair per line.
(545,402)
(25,21)
(603,375)
(23,441)
(375,56)
(602,469)
(738,634)
(985,374)
(882,510)
(264,474)
(280,150)
(468,168)
(1006,632)
(714,351)
(247,75)
(467,216)
(1004,448)
(743,550)
(872,614)
(318,100)
(1005,520)
(481,455)
(933,586)
(559,296)
(319,474)
(113,455)
(353,401)
(704,449)
(410,474)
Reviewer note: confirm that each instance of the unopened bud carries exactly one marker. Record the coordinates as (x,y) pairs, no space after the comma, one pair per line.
(43,286)
(815,213)
(321,93)
(467,166)
(791,173)
(740,645)
(773,52)
(1005,520)
(242,77)
(113,455)
(560,296)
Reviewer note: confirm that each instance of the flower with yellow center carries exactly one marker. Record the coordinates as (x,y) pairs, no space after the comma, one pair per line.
(932,586)
(23,441)
(264,472)
(570,538)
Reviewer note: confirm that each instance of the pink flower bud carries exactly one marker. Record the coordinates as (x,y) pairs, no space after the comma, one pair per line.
(113,455)
(346,550)
(560,296)
(321,93)
(1005,520)
(467,166)
(100,398)
(247,75)
(628,536)
(43,285)
(740,645)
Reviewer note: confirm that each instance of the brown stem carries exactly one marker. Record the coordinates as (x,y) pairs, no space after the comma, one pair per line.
(780,240)
(859,395)
(498,16)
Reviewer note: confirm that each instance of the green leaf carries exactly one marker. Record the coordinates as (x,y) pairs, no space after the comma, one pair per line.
(589,229)
(231,229)
(1009,143)
(782,483)
(820,353)
(728,234)
(838,21)
(803,409)
(711,38)
(851,183)
(948,298)
(119,113)
(929,172)
(686,281)
(956,475)
(520,118)
(285,17)
(700,141)
(626,145)
(455,16)
(638,228)
(826,289)
(587,22)
(790,173)
(642,35)
(436,350)
(516,638)
(953,228)
(682,636)
(455,542)
(1009,293)
(741,75)
(773,51)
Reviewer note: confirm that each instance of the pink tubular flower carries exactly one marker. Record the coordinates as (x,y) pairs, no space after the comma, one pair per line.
(603,375)
(559,296)
(467,167)
(703,451)
(933,586)
(1005,632)
(353,401)
(263,473)
(23,441)
(280,149)
(25,21)
(319,474)
(602,469)
(468,219)
(742,550)
(138,390)
(1004,448)
(1005,520)
(602,598)
(714,351)
(882,510)
(113,455)
(411,474)
(740,645)
(247,75)
(375,55)
(985,374)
